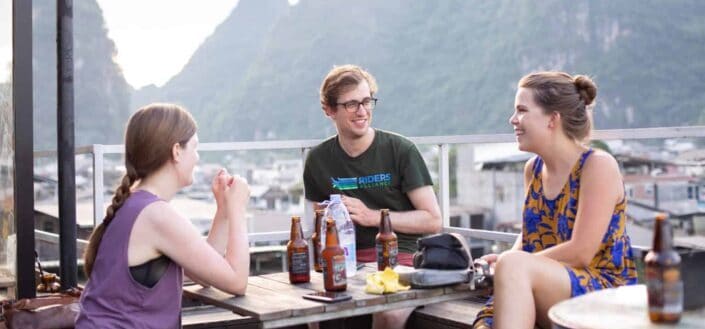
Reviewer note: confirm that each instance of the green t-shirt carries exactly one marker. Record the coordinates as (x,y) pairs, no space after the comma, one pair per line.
(380,177)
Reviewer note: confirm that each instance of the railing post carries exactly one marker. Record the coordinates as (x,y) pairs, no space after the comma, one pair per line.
(65,143)
(308,210)
(98,192)
(444,183)
(22,143)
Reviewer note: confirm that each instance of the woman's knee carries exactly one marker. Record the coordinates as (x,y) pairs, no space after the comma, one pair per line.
(512,263)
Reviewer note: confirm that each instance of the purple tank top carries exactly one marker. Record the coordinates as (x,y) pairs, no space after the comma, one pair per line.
(112,298)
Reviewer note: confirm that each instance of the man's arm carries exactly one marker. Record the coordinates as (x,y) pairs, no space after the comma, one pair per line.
(425,219)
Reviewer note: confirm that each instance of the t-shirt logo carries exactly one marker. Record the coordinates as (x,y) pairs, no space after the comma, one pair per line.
(343,184)
(354,183)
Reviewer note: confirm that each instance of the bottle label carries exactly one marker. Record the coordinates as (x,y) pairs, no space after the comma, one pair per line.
(338,267)
(387,254)
(299,263)
(664,289)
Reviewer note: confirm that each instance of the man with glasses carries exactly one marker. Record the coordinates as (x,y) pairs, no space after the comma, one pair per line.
(373,169)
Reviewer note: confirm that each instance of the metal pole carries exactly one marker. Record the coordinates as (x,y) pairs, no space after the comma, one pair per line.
(65,147)
(23,140)
(444,183)
(98,194)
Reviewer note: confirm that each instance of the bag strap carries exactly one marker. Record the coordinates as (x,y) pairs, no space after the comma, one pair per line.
(465,246)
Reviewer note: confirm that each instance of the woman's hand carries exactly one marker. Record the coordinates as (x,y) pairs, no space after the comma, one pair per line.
(237,193)
(491,259)
(219,185)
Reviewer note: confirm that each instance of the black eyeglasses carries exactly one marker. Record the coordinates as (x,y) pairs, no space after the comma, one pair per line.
(352,106)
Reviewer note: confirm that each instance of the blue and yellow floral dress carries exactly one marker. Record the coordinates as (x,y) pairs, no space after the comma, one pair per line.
(547,223)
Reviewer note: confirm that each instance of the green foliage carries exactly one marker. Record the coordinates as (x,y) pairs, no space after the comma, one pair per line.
(598,144)
(101,94)
(443,68)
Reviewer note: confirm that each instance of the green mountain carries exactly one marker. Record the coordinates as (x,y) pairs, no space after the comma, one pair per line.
(101,94)
(446,67)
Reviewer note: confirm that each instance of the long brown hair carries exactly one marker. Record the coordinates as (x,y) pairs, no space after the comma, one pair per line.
(571,96)
(151,133)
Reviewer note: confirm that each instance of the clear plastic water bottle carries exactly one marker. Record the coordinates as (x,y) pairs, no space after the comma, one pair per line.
(346,231)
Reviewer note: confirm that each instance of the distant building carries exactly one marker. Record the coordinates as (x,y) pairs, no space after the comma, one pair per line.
(491,177)
(664,186)
(490,180)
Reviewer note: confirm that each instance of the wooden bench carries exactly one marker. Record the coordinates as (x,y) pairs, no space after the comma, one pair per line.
(447,315)
(200,317)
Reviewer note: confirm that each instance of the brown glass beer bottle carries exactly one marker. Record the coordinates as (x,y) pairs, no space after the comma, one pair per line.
(297,254)
(316,241)
(386,243)
(663,275)
(333,260)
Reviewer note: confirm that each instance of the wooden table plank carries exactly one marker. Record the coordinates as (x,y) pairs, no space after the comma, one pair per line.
(356,288)
(401,295)
(273,301)
(316,284)
(239,304)
(298,306)
(295,294)
(364,310)
(211,316)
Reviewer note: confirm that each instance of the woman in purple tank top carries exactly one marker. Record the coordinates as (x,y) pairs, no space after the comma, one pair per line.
(136,257)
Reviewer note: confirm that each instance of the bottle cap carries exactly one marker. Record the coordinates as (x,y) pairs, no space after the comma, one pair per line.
(335,198)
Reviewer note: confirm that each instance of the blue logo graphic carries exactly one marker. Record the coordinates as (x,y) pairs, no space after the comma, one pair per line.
(354,183)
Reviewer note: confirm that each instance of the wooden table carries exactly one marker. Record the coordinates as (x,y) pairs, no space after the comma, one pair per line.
(623,307)
(273,302)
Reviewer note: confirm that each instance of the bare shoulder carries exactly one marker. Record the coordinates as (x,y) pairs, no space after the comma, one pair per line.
(529,167)
(160,214)
(601,173)
(167,229)
(601,164)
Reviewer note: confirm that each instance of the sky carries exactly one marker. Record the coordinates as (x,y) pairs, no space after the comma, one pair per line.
(156,38)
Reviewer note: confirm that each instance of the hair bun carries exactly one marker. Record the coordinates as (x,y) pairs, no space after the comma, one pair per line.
(586,88)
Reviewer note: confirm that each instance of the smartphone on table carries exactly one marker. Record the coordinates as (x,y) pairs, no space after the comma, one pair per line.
(328,296)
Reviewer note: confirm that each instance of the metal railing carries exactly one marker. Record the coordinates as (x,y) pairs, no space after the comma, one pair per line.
(98,152)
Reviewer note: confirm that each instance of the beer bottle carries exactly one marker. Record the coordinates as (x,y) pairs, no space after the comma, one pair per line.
(297,254)
(663,275)
(333,260)
(386,243)
(316,240)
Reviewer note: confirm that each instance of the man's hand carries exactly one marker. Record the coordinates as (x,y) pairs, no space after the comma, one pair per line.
(359,212)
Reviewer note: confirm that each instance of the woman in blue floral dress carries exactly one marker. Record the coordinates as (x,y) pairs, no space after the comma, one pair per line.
(574,237)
